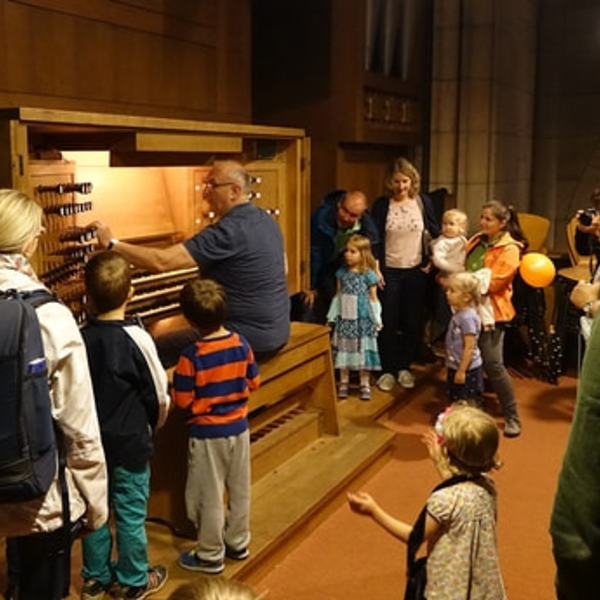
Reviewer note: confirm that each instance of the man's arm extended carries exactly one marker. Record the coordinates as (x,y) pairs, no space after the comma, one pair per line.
(145,257)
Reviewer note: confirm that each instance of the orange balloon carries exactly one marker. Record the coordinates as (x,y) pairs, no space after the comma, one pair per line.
(537,270)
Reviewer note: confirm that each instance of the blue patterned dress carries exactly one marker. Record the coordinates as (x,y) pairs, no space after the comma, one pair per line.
(354,339)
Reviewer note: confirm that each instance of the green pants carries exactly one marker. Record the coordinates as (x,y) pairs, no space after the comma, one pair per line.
(128,494)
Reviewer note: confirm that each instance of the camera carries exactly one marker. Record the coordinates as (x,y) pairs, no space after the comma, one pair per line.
(586,215)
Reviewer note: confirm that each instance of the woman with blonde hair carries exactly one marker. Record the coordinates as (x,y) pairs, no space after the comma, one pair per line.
(37,543)
(406,222)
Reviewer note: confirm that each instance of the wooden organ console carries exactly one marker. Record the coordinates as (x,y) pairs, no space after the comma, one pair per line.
(144,177)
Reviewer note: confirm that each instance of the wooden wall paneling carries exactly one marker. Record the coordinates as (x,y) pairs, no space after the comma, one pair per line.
(364,167)
(347,52)
(233,72)
(185,19)
(189,58)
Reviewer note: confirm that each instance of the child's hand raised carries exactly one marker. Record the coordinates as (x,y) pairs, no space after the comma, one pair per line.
(361,502)
(430,439)
(434,449)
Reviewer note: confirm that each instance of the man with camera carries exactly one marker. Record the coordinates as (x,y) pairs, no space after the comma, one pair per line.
(587,236)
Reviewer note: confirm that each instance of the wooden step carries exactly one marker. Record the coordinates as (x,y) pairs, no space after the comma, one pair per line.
(281,438)
(292,499)
(284,500)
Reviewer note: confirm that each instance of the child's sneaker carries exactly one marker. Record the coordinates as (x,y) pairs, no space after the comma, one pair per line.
(157,577)
(93,590)
(242,554)
(406,379)
(191,562)
(512,428)
(365,392)
(386,382)
(343,390)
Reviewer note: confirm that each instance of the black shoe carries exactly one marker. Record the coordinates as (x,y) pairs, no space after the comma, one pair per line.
(92,590)
(241,554)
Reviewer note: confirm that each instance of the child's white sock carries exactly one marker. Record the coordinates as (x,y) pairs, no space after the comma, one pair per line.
(344,375)
(365,379)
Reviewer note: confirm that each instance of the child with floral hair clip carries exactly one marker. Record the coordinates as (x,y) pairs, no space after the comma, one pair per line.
(459,519)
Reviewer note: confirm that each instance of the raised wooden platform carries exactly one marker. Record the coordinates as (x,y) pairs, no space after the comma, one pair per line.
(295,497)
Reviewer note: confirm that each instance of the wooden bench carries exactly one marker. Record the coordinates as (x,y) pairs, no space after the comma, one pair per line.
(295,403)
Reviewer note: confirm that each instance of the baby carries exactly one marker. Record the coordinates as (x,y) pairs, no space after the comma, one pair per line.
(449,249)
(449,255)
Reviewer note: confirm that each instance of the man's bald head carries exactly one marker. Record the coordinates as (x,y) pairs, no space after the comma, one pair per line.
(235,172)
(351,208)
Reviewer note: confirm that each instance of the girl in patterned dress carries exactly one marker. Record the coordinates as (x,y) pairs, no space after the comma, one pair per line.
(355,314)
(460,526)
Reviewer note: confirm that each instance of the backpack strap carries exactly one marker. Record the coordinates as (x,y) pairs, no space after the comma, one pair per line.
(418,531)
(37,298)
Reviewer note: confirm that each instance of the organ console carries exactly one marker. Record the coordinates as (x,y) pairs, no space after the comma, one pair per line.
(144,176)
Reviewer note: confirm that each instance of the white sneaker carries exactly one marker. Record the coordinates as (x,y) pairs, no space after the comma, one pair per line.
(406,379)
(386,382)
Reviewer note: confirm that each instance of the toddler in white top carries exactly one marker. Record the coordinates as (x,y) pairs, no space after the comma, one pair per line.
(449,256)
(449,249)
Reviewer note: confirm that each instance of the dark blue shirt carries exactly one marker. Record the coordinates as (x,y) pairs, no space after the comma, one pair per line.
(244,253)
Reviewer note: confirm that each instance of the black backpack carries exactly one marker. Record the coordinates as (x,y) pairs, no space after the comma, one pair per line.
(28,447)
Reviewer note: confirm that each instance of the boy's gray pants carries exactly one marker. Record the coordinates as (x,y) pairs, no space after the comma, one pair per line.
(216,465)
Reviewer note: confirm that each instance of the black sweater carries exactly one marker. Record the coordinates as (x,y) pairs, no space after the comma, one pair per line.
(123,365)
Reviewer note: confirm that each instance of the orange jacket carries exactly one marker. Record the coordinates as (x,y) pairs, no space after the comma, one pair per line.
(503,260)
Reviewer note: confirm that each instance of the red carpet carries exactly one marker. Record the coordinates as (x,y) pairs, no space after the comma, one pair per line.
(348,557)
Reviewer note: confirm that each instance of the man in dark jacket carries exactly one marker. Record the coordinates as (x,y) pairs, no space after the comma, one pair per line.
(341,215)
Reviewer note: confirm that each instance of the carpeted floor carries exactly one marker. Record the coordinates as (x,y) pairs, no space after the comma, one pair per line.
(348,557)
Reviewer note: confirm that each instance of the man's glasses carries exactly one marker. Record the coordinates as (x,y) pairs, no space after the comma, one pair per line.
(212,184)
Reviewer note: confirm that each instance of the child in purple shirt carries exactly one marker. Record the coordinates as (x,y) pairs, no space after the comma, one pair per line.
(463,358)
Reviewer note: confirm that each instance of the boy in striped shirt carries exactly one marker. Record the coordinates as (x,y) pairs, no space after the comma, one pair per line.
(212,382)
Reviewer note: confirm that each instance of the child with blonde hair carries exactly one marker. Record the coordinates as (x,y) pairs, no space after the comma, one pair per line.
(459,519)
(448,254)
(448,250)
(214,588)
(355,313)
(464,379)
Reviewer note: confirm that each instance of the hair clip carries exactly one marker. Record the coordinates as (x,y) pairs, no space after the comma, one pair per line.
(439,425)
